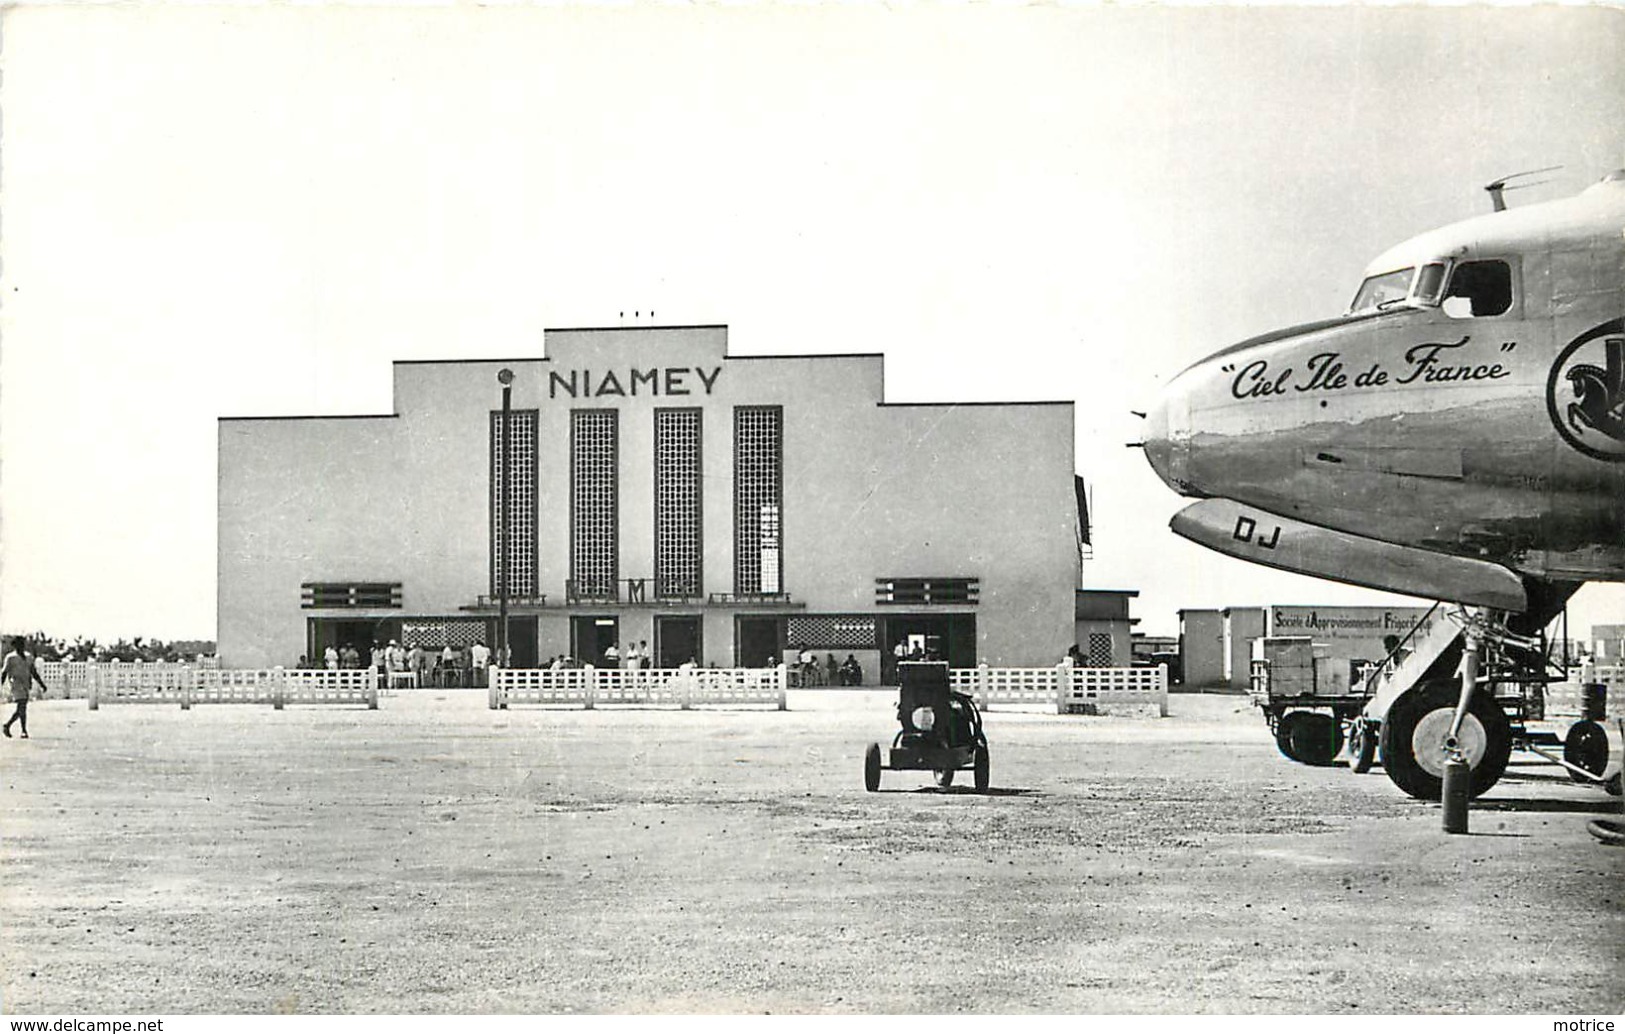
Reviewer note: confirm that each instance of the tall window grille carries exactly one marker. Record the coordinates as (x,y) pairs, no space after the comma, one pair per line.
(1100,650)
(594,524)
(758,499)
(677,503)
(513,520)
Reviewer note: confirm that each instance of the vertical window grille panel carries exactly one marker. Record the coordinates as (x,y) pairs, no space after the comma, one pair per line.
(678,481)
(594,524)
(1100,650)
(519,520)
(758,503)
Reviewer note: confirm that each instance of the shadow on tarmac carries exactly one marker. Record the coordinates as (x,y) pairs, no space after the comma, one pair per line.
(970,791)
(1599,806)
(1549,776)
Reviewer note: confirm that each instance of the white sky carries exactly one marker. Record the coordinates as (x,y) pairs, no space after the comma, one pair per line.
(238,211)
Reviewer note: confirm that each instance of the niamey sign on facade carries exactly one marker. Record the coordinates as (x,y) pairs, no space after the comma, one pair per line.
(656,380)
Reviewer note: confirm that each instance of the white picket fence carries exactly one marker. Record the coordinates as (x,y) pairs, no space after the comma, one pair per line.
(66,678)
(72,678)
(188,684)
(673,687)
(1068,689)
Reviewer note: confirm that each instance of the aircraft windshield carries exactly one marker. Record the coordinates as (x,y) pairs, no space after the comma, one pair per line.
(1382,289)
(1430,283)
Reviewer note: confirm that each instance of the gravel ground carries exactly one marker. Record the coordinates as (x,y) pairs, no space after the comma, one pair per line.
(434,856)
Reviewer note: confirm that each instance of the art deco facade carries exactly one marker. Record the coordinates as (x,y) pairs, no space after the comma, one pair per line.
(720,508)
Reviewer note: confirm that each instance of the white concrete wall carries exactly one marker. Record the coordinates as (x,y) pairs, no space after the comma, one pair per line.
(1201,647)
(1119,630)
(1242,625)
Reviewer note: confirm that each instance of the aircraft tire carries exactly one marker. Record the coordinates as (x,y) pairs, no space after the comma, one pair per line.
(1362,746)
(981,771)
(871,768)
(1586,746)
(1412,740)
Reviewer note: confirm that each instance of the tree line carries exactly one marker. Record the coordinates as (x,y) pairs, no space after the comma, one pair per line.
(44,647)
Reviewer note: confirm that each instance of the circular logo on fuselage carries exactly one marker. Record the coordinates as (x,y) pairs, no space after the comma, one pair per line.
(1585,392)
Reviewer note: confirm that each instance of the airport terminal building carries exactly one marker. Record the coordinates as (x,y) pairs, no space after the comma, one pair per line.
(721,509)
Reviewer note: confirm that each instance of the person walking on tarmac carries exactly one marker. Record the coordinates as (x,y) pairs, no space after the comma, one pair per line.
(18,673)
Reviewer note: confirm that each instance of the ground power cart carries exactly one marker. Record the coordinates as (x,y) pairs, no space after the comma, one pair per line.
(940,730)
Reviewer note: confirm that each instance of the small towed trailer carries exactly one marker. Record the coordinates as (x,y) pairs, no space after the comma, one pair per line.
(940,730)
(1307,714)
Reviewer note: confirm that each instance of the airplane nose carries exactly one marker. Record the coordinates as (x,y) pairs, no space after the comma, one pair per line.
(1157,445)
(1167,435)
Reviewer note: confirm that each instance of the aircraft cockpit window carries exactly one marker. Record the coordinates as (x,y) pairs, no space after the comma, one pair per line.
(1479,289)
(1385,289)
(1430,283)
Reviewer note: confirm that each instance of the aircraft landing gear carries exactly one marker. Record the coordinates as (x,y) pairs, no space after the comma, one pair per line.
(1413,740)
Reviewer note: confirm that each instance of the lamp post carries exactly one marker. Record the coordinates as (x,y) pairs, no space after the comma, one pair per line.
(504,378)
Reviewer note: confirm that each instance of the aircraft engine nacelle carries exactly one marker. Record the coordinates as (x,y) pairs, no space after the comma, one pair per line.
(1266,538)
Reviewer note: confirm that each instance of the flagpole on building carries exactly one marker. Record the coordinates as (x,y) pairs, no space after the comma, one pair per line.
(504,378)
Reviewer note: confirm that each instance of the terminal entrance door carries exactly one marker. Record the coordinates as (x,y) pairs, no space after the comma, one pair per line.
(590,636)
(677,641)
(521,641)
(320,633)
(758,642)
(943,637)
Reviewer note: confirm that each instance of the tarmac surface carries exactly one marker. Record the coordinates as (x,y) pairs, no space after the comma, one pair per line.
(435,856)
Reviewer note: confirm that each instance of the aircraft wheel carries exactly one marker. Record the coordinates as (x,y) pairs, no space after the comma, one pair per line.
(1412,740)
(945,777)
(1310,737)
(871,768)
(1362,745)
(982,762)
(1586,746)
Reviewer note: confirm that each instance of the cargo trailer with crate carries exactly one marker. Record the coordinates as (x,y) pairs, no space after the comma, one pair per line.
(1305,697)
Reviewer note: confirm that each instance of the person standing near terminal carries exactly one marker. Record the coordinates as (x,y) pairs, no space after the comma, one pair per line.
(394,661)
(479,655)
(18,674)
(330,657)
